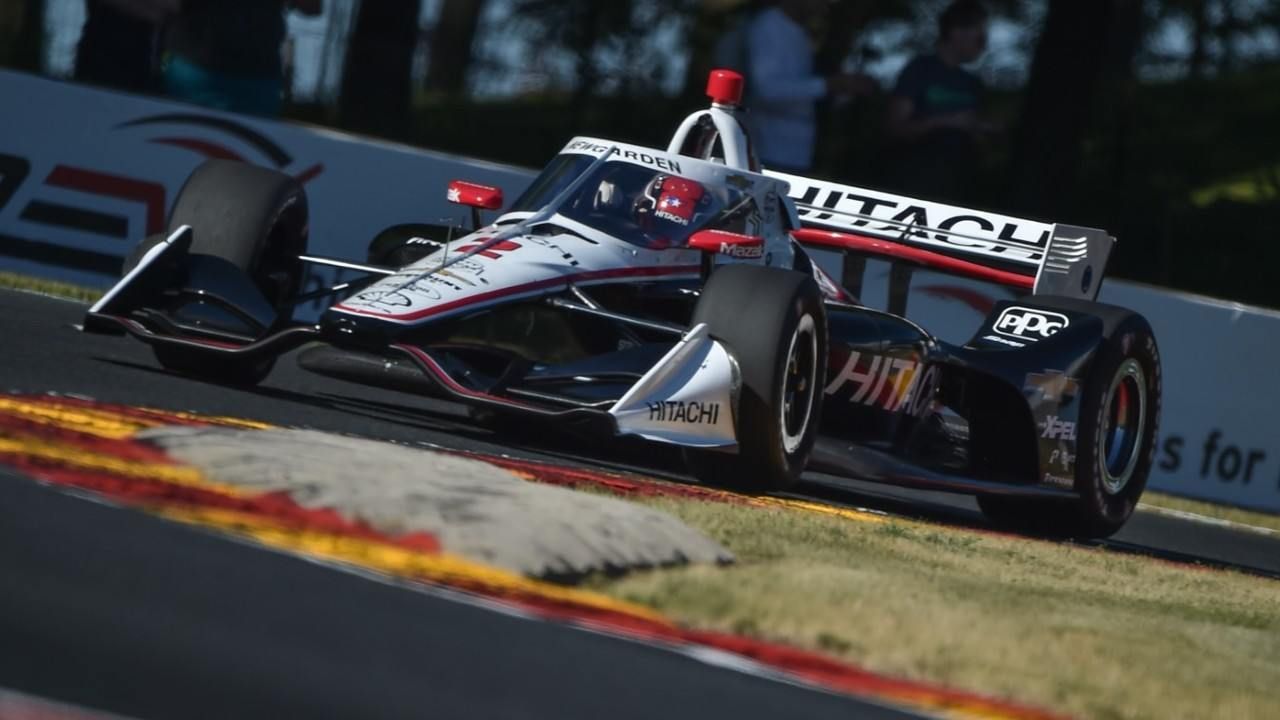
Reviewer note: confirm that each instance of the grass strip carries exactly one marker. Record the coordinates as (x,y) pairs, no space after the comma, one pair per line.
(1255,518)
(52,288)
(1093,633)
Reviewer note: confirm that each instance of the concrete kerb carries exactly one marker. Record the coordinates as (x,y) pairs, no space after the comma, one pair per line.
(473,508)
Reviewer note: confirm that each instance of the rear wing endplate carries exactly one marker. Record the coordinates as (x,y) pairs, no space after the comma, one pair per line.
(1042,258)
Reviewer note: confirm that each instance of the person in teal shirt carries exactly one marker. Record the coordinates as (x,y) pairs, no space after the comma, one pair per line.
(935,108)
(225,54)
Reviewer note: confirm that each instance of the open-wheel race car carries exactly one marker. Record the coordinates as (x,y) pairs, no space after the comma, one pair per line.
(671,294)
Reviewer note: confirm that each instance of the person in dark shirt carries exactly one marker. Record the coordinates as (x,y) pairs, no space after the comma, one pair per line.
(935,108)
(119,43)
(225,54)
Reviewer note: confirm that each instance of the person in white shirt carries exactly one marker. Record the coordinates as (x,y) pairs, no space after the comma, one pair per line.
(783,90)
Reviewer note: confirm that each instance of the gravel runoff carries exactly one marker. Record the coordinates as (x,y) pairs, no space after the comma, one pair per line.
(474,509)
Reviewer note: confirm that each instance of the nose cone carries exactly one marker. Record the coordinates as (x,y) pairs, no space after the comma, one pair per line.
(478,272)
(354,331)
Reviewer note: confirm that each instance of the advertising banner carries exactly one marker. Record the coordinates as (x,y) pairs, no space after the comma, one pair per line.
(86,174)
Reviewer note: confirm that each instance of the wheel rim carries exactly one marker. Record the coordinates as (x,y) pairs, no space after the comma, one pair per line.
(1122,426)
(798,384)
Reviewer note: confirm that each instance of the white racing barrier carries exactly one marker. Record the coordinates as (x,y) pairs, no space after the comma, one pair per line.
(85,174)
(1220,393)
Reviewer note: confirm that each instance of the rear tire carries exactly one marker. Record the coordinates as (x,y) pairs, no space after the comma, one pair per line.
(1118,422)
(257,220)
(773,323)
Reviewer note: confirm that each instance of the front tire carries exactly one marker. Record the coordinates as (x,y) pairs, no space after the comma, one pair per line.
(257,220)
(1117,427)
(773,323)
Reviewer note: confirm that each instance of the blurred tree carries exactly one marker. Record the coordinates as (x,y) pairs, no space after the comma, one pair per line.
(575,26)
(10,28)
(610,45)
(1200,30)
(1082,64)
(709,22)
(1227,30)
(451,46)
(845,23)
(376,92)
(1224,36)
(27,51)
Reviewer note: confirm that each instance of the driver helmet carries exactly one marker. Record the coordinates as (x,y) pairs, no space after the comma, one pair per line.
(676,200)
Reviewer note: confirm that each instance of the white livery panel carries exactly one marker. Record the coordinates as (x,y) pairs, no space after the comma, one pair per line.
(686,399)
(990,236)
(483,269)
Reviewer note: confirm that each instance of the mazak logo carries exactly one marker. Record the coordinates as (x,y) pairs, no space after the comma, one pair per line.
(743,251)
(1028,324)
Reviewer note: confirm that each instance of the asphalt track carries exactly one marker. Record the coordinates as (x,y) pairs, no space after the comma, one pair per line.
(116,610)
(246,632)
(120,611)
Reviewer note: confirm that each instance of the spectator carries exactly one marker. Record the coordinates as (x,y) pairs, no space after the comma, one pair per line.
(935,108)
(783,90)
(119,43)
(226,54)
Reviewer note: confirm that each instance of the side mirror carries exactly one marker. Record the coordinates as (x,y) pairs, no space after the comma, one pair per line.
(481,197)
(731,244)
(477,197)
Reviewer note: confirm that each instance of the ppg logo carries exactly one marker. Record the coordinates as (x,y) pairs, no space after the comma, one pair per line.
(1028,324)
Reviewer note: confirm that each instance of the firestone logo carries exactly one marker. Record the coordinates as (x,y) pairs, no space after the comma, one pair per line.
(1030,324)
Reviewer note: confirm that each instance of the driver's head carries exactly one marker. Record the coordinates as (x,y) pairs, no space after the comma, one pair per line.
(962,30)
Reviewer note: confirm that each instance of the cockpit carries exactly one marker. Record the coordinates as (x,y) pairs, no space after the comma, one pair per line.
(645,206)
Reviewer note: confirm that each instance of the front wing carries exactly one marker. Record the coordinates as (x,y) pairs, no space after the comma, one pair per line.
(686,398)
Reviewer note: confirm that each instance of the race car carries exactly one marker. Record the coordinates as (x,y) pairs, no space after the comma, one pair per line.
(672,295)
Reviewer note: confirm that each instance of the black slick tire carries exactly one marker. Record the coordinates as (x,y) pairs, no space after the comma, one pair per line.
(773,323)
(254,218)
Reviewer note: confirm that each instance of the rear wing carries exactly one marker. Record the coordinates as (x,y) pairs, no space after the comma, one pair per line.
(1042,258)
